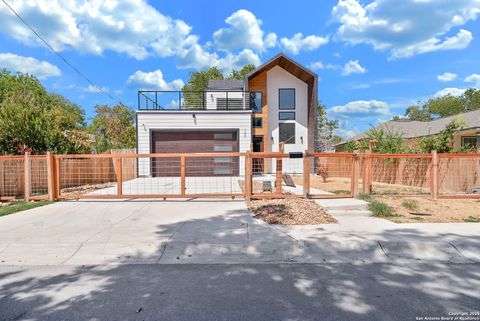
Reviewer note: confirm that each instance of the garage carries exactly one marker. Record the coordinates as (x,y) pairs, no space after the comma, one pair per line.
(195,141)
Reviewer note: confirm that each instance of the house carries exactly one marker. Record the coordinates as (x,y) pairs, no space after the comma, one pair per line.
(467,137)
(275,103)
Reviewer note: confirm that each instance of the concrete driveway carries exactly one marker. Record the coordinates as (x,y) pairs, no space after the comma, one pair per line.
(219,231)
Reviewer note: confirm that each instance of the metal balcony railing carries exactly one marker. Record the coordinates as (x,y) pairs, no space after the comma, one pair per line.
(196,100)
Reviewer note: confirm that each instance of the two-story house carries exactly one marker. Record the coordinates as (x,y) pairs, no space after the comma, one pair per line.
(276,102)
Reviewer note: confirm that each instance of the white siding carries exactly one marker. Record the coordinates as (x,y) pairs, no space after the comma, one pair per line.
(148,121)
(277,78)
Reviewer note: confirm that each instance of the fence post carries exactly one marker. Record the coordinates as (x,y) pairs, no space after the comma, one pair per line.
(367,172)
(248,176)
(119,173)
(27,171)
(307,166)
(279,169)
(50,176)
(182,176)
(356,173)
(434,175)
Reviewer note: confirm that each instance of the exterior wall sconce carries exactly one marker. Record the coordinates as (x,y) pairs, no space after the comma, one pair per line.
(301,139)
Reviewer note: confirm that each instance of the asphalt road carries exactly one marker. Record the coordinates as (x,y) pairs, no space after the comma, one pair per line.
(239,292)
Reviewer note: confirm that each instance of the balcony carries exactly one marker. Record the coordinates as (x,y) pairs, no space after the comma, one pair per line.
(150,100)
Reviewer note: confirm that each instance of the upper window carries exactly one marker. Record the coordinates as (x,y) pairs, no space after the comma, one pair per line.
(256,101)
(286,98)
(469,141)
(287,133)
(257,122)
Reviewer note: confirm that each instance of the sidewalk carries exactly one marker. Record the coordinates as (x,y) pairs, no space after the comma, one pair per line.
(221,232)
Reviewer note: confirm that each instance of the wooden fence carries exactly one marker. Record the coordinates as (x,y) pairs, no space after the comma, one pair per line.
(118,173)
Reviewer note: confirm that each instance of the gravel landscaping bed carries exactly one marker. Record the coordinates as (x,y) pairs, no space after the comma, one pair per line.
(290,211)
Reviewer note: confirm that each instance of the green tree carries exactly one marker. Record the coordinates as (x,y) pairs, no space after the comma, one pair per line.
(198,80)
(240,75)
(444,106)
(417,113)
(443,142)
(113,127)
(31,119)
(387,142)
(325,129)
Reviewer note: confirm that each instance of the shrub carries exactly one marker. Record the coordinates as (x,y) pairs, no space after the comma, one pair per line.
(410,204)
(472,219)
(341,191)
(380,209)
(365,197)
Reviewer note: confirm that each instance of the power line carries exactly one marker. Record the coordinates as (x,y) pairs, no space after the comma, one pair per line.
(63,58)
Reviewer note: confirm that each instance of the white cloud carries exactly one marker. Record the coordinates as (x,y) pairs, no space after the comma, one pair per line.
(475,79)
(93,89)
(346,133)
(449,91)
(353,67)
(299,43)
(402,28)
(446,77)
(196,57)
(132,27)
(244,57)
(360,110)
(244,31)
(30,65)
(318,65)
(153,80)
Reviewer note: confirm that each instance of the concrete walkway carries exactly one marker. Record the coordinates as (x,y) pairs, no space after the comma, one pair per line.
(220,231)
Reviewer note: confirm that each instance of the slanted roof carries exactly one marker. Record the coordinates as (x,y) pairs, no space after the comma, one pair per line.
(226,84)
(415,129)
(287,63)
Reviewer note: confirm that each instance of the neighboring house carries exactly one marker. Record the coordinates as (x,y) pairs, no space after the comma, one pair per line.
(276,102)
(469,136)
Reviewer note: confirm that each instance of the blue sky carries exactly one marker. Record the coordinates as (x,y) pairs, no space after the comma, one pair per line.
(374,58)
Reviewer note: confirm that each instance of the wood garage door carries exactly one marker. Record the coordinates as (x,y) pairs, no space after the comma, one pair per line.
(195,141)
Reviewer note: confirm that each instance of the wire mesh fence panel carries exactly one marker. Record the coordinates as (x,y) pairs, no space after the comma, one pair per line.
(265,180)
(147,176)
(332,175)
(459,176)
(83,176)
(11,177)
(38,176)
(400,175)
(215,175)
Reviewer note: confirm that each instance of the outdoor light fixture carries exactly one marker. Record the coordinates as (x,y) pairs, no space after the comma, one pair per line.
(144,127)
(301,139)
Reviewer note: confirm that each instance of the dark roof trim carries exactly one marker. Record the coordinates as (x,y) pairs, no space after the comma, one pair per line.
(278,56)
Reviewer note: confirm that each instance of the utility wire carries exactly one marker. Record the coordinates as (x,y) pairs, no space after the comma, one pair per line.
(63,58)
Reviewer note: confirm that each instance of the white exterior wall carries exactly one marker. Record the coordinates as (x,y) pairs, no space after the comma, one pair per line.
(148,121)
(277,78)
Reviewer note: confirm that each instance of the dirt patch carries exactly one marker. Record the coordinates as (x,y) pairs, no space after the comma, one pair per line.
(418,209)
(85,189)
(342,185)
(290,211)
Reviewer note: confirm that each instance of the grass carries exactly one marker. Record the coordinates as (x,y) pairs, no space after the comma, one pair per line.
(380,209)
(21,206)
(410,204)
(472,219)
(365,197)
(341,191)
